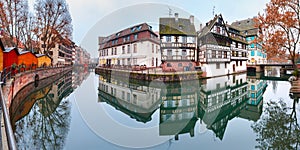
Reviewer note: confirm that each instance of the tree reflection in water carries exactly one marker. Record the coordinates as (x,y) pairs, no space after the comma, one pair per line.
(278,128)
(44,130)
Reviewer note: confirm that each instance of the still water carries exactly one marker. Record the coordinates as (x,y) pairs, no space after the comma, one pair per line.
(81,110)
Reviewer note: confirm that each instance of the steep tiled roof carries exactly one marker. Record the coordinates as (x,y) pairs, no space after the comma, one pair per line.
(207,28)
(248,26)
(104,41)
(180,27)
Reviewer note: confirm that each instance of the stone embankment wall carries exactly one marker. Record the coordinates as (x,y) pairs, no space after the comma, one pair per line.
(152,76)
(22,79)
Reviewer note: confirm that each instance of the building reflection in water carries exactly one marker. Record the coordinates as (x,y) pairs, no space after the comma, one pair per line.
(135,100)
(253,109)
(214,102)
(40,115)
(178,111)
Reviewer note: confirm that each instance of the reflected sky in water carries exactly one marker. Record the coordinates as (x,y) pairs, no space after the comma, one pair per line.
(110,113)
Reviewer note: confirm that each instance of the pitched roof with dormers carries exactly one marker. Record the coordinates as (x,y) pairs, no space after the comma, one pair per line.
(247,26)
(171,26)
(105,42)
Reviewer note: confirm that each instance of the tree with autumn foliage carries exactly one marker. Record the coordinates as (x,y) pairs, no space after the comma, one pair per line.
(280,29)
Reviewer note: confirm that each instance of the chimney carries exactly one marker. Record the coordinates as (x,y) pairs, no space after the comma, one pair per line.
(176,17)
(201,27)
(192,19)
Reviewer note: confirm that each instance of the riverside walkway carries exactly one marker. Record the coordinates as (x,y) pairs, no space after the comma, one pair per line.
(14,81)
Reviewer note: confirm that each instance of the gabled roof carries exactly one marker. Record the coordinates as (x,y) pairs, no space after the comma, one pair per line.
(24,52)
(237,31)
(180,27)
(9,49)
(208,27)
(248,26)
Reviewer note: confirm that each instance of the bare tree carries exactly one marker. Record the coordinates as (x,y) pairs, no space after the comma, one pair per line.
(54,22)
(11,18)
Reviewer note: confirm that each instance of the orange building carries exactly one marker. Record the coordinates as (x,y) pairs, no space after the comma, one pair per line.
(27,58)
(1,55)
(43,60)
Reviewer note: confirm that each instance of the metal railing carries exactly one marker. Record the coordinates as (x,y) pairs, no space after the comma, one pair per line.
(8,128)
(7,74)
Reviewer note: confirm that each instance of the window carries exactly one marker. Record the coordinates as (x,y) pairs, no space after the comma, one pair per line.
(218,85)
(135,36)
(168,38)
(225,54)
(128,49)
(237,63)
(156,49)
(133,29)
(180,65)
(252,87)
(112,51)
(169,52)
(152,48)
(134,48)
(115,51)
(213,54)
(123,95)
(169,65)
(128,61)
(128,97)
(219,54)
(225,65)
(241,63)
(252,53)
(252,95)
(152,61)
(184,39)
(123,61)
(123,49)
(183,52)
(134,99)
(217,65)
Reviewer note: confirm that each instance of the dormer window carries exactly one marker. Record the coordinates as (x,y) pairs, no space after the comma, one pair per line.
(180,27)
(133,29)
(139,28)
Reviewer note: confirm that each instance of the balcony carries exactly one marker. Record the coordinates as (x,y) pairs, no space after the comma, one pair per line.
(239,54)
(208,47)
(178,45)
(178,58)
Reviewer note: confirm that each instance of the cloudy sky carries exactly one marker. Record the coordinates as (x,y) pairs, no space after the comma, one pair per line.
(93,18)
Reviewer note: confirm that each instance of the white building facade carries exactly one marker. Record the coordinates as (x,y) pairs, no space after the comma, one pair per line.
(134,46)
(221,49)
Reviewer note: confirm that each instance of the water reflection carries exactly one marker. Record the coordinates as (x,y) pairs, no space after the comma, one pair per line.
(41,115)
(278,128)
(137,101)
(212,102)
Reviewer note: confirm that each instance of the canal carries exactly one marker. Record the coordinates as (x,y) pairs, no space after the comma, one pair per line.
(81,110)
